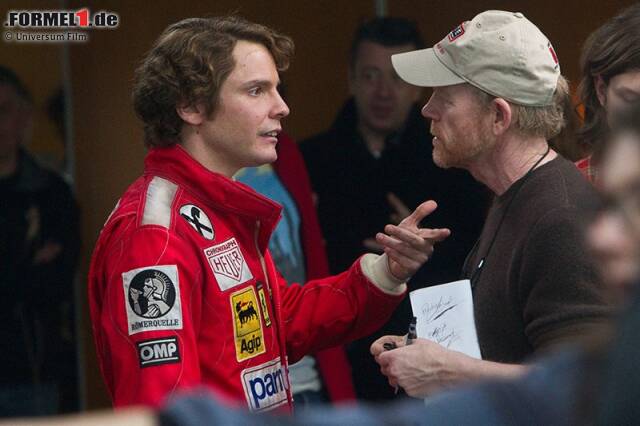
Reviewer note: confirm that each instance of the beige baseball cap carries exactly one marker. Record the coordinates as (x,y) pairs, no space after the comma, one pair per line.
(501,53)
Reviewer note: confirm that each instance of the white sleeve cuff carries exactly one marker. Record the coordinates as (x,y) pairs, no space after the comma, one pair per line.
(376,269)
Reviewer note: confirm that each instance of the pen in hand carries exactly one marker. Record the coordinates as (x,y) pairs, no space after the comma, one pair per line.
(411,334)
(389,345)
(410,337)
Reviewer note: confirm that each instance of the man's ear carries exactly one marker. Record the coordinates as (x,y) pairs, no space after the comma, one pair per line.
(503,116)
(601,90)
(193,115)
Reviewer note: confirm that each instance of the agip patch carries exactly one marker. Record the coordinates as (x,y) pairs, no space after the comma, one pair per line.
(247,325)
(228,264)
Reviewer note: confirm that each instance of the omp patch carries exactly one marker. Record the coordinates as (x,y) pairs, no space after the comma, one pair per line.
(263,304)
(198,220)
(265,386)
(152,296)
(456,32)
(158,351)
(247,326)
(228,264)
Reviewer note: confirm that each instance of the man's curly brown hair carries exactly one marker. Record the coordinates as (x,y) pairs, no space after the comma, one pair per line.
(188,64)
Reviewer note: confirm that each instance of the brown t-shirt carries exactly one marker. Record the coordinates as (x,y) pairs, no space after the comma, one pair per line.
(538,285)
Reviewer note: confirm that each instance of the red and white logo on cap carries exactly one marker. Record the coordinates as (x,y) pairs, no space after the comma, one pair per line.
(553,53)
(456,33)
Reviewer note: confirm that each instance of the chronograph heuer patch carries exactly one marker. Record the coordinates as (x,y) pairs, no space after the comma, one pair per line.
(228,264)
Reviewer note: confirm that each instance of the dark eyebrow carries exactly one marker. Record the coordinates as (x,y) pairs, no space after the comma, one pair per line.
(262,83)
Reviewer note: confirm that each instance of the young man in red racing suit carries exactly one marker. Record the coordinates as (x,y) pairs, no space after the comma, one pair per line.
(183,291)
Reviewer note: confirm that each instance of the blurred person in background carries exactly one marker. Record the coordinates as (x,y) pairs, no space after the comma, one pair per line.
(39,248)
(610,64)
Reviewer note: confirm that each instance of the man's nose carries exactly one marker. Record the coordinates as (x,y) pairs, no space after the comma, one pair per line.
(384,87)
(428,111)
(281,109)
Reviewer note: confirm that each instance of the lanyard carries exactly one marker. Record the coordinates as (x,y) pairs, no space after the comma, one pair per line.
(475,276)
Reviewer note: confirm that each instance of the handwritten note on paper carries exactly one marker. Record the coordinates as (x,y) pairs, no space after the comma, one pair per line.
(445,316)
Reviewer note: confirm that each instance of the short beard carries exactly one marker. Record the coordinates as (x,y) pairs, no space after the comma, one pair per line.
(461,159)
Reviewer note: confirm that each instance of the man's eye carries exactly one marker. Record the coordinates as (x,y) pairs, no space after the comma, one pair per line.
(626,95)
(370,75)
(255,91)
(630,98)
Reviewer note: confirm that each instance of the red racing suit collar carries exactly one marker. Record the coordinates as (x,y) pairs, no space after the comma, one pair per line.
(175,164)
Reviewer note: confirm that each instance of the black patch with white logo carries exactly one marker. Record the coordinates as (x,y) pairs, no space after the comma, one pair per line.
(198,220)
(158,351)
(151,293)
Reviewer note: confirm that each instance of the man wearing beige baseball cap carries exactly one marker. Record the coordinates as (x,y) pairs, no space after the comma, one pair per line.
(497,100)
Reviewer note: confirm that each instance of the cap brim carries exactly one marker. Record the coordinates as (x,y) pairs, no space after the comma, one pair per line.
(423,68)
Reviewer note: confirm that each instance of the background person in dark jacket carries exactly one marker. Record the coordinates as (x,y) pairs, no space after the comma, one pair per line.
(39,244)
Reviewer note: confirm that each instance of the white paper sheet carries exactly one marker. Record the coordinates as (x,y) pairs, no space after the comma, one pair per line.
(445,316)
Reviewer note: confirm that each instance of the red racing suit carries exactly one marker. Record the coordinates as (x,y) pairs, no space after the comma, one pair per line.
(183,292)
